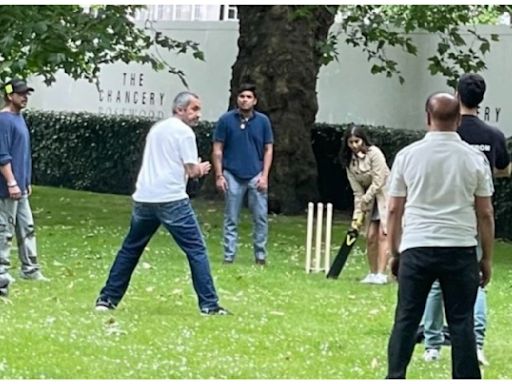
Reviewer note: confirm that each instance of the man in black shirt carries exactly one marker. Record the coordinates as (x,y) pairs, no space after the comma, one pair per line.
(491,141)
(484,137)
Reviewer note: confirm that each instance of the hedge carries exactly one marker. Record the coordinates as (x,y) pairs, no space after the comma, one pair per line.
(102,153)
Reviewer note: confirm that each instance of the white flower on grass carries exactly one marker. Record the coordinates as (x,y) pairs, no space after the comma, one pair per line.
(146,265)
(49,321)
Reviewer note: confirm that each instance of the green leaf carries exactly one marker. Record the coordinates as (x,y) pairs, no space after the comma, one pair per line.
(411,48)
(376,69)
(485,47)
(442,48)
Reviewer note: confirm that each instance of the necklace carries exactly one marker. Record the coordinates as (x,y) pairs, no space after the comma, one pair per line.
(243,122)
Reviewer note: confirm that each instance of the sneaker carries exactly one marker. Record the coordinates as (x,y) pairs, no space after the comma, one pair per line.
(481,357)
(36,276)
(4,284)
(227,261)
(431,354)
(7,276)
(369,279)
(261,262)
(104,304)
(380,278)
(215,311)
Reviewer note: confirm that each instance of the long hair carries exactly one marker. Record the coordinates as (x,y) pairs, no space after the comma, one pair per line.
(346,152)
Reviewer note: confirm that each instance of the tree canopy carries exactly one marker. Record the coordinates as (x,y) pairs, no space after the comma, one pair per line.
(41,40)
(375,28)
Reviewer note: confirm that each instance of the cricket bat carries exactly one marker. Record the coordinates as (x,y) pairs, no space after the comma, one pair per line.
(346,247)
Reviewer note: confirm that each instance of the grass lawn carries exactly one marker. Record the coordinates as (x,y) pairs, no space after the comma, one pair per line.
(286,324)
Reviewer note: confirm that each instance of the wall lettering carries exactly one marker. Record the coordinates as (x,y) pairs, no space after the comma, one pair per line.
(132,98)
(491,114)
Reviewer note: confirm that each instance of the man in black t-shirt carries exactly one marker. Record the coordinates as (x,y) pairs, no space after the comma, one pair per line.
(491,141)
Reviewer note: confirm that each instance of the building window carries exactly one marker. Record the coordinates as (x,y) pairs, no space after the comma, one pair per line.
(228,12)
(187,13)
(184,12)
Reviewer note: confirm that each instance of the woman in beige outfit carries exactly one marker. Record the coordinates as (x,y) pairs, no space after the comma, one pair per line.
(367,173)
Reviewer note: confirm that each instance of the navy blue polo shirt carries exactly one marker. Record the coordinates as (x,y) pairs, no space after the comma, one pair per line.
(244,142)
(15,149)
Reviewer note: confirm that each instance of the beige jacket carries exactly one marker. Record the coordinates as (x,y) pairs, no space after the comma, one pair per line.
(368,177)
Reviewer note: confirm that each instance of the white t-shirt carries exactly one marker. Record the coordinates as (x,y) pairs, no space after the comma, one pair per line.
(440,177)
(170,144)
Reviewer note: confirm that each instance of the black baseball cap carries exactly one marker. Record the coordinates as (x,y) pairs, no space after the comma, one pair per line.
(16,86)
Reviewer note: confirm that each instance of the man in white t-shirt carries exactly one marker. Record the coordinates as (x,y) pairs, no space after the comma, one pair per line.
(440,192)
(170,158)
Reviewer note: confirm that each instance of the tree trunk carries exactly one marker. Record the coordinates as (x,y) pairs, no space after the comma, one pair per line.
(279,51)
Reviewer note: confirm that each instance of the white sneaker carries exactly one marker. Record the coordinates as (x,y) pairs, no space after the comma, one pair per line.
(36,276)
(9,278)
(369,279)
(102,308)
(380,278)
(481,357)
(431,354)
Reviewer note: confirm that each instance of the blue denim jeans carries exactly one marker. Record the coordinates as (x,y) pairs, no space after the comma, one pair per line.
(237,188)
(16,218)
(179,219)
(433,318)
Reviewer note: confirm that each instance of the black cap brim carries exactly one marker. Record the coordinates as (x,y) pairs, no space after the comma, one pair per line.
(23,89)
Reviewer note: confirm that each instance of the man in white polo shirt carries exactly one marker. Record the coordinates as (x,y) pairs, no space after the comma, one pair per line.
(440,192)
(160,198)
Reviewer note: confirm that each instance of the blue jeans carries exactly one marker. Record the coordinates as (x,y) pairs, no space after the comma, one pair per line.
(16,218)
(237,188)
(179,219)
(433,318)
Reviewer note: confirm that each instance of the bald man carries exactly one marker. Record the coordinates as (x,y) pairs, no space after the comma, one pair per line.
(444,199)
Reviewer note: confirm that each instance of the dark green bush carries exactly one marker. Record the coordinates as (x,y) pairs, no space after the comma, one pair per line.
(503,204)
(92,152)
(102,153)
(332,177)
(332,180)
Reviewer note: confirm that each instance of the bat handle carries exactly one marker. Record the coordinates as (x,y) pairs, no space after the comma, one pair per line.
(358,221)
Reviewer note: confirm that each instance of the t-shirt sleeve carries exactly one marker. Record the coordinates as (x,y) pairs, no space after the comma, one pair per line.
(219,134)
(5,143)
(188,149)
(485,186)
(502,155)
(396,181)
(269,136)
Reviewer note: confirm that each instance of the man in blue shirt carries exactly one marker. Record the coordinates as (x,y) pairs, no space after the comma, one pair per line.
(242,156)
(15,185)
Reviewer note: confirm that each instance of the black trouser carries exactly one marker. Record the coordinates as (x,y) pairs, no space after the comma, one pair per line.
(458,272)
